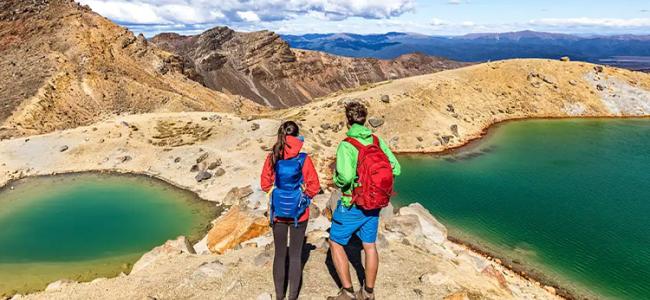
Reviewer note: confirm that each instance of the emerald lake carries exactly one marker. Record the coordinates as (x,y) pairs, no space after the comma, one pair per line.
(568,200)
(85,226)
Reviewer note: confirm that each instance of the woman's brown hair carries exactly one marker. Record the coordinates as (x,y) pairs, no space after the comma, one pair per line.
(287,128)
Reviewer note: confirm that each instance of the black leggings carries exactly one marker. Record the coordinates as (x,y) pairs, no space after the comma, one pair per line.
(297,236)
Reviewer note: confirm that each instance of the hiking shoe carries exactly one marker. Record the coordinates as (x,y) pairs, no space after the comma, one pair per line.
(343,295)
(363,295)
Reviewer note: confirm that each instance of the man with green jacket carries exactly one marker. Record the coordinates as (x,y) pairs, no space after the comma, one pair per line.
(349,219)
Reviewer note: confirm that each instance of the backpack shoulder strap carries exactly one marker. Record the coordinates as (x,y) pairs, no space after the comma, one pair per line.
(375,140)
(302,156)
(355,143)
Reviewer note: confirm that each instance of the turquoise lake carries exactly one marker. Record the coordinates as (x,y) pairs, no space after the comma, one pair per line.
(85,226)
(566,199)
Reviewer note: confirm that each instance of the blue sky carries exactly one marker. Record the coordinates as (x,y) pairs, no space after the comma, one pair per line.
(434,17)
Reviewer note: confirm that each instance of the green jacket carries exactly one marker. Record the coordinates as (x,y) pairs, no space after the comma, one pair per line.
(345,175)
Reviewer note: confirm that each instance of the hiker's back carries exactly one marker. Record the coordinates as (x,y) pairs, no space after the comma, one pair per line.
(374,173)
(287,199)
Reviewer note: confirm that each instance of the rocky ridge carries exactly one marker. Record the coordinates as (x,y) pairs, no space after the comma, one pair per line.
(262,67)
(63,66)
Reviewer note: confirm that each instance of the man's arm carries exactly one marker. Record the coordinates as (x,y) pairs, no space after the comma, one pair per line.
(346,172)
(397,169)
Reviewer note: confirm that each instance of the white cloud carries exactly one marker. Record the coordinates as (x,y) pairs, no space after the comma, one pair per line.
(237,11)
(593,22)
(248,16)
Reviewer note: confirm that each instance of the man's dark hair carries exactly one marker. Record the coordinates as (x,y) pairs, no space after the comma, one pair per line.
(356,113)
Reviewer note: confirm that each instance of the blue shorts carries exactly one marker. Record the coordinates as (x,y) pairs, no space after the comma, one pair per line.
(350,220)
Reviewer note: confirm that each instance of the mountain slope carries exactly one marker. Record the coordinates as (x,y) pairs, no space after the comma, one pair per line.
(261,66)
(480,47)
(439,111)
(61,66)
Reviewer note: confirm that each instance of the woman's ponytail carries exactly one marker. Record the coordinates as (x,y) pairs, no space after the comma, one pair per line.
(287,128)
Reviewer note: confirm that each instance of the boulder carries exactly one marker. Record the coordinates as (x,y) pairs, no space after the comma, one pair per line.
(194,168)
(235,227)
(171,247)
(219,172)
(213,165)
(454,129)
(387,212)
(385,98)
(202,176)
(236,194)
(431,228)
(375,122)
(202,157)
(314,211)
(404,225)
(319,223)
(63,148)
(255,126)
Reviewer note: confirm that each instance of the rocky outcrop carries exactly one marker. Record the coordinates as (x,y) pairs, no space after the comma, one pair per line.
(235,227)
(261,66)
(171,247)
(63,66)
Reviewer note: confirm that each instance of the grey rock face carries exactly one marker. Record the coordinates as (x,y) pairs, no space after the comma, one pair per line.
(376,122)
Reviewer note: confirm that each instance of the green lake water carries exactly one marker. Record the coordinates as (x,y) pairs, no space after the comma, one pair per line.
(569,199)
(86,226)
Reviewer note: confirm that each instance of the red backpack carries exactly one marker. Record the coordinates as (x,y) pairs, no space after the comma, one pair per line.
(375,176)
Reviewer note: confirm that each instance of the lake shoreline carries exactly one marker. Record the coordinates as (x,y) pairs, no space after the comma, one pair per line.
(103,270)
(486,131)
(520,269)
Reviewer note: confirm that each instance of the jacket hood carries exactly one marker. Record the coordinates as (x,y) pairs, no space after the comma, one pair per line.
(292,147)
(359,132)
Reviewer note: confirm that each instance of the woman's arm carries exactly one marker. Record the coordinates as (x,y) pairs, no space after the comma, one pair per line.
(310,176)
(268,176)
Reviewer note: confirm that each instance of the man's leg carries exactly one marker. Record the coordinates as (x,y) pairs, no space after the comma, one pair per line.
(372,264)
(368,235)
(341,263)
(345,221)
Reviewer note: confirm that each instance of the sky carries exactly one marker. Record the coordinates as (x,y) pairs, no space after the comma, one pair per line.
(432,17)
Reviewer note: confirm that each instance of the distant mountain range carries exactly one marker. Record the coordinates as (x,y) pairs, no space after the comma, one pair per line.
(630,51)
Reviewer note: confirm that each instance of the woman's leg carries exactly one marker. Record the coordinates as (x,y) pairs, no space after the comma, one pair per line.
(280,231)
(297,236)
